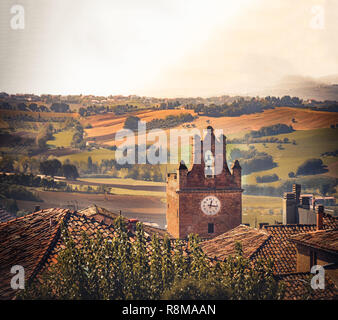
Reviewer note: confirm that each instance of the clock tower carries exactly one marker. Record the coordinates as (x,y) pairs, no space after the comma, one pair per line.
(201,201)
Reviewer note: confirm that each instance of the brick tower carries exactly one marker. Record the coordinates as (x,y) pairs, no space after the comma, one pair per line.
(201,202)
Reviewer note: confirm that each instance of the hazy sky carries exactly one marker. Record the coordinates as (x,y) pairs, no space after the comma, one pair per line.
(165,47)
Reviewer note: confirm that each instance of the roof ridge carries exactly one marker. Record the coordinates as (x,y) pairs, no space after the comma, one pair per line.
(261,246)
(92,219)
(289,225)
(30,215)
(316,231)
(52,242)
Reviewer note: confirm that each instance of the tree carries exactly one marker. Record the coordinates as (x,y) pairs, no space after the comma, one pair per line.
(131,123)
(312,166)
(291,174)
(50,167)
(70,171)
(33,107)
(6,164)
(89,164)
(60,107)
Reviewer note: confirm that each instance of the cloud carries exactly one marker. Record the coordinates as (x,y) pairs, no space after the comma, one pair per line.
(165,48)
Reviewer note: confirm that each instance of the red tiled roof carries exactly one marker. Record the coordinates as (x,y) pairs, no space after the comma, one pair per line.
(224,245)
(273,245)
(77,224)
(26,241)
(34,241)
(99,214)
(322,239)
(298,287)
(160,233)
(108,217)
(279,248)
(330,222)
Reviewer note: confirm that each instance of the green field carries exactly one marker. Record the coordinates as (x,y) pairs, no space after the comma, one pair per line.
(258,209)
(310,144)
(128,182)
(61,139)
(97,155)
(122,191)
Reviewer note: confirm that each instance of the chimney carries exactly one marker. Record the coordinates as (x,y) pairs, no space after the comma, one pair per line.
(290,210)
(320,214)
(296,189)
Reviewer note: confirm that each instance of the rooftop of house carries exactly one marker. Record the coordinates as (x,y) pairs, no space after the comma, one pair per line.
(100,214)
(297,287)
(271,242)
(34,241)
(108,217)
(223,245)
(26,241)
(326,240)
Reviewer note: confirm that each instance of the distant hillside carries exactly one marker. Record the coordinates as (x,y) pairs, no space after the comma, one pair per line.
(324,88)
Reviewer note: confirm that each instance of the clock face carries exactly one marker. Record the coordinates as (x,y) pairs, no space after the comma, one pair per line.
(210,205)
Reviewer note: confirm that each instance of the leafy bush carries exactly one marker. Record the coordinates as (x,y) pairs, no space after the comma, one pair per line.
(190,289)
(125,269)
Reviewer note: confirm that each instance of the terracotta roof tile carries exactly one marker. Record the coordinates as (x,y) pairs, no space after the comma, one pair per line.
(322,239)
(224,245)
(26,241)
(33,241)
(279,248)
(298,287)
(330,222)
